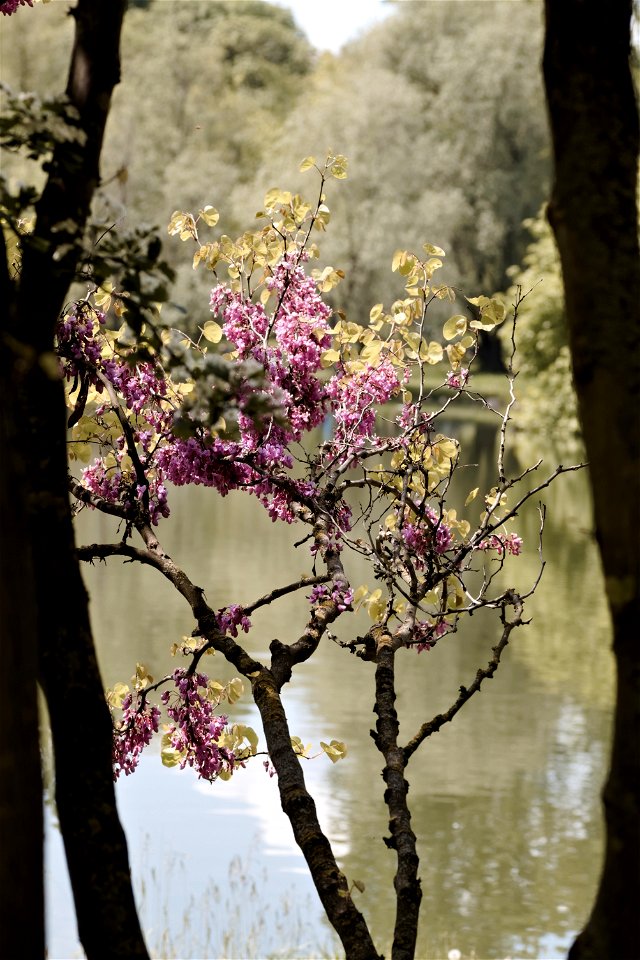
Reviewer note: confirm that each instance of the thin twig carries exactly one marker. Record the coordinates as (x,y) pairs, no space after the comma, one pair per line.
(484,673)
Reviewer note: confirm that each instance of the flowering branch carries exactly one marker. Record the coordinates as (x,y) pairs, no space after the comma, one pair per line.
(379,486)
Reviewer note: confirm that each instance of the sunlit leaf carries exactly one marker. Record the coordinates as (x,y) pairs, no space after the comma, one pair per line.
(471,496)
(234,690)
(210,215)
(454,327)
(336,750)
(169,755)
(328,358)
(212,331)
(116,695)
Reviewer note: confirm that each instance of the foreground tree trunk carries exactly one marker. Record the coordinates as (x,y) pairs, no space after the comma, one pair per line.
(53,595)
(594,123)
(21,827)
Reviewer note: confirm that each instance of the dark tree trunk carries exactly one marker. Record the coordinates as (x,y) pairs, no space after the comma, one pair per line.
(594,123)
(53,592)
(21,828)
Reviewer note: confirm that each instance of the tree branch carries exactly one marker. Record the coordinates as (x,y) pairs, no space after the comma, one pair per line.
(403,839)
(484,673)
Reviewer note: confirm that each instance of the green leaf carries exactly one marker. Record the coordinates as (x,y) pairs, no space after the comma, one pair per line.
(307,164)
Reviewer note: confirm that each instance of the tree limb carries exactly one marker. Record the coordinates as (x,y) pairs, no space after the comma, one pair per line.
(484,673)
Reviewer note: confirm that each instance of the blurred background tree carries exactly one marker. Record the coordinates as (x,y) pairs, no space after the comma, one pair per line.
(219,97)
(548,416)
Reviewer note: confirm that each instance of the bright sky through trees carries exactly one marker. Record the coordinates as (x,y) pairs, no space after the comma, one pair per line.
(331,23)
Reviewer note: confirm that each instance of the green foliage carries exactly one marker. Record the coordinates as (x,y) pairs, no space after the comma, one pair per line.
(232,94)
(460,155)
(547,412)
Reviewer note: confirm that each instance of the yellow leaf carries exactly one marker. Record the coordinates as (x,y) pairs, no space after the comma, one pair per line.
(80,451)
(455,327)
(275,197)
(169,755)
(299,748)
(443,292)
(307,164)
(336,750)
(376,312)
(116,695)
(433,250)
(328,358)
(399,258)
(210,215)
(338,168)
(212,331)
(463,527)
(472,495)
(432,353)
(234,690)
(360,594)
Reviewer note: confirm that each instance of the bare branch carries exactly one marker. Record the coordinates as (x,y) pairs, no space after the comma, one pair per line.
(484,673)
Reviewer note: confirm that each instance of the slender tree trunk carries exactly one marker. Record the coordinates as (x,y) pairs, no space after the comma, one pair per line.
(67,668)
(594,123)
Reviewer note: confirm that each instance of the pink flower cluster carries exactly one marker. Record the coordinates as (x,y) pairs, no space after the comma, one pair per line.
(232,617)
(289,348)
(511,544)
(341,597)
(458,380)
(133,733)
(427,634)
(7,7)
(354,400)
(301,330)
(422,538)
(142,388)
(196,728)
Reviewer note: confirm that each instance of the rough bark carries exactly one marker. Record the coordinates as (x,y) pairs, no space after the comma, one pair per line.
(67,667)
(403,840)
(594,124)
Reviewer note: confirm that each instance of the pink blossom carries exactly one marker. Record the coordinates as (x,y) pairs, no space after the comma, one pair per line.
(232,617)
(133,733)
(7,7)
(459,379)
(196,728)
(512,544)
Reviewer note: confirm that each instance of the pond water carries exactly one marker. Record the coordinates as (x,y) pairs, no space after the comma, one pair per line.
(505,801)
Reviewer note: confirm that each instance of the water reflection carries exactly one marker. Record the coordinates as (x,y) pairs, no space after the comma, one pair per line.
(504,800)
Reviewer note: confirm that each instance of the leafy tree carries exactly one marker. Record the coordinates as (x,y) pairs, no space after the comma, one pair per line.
(239,417)
(593,212)
(148,406)
(547,411)
(472,141)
